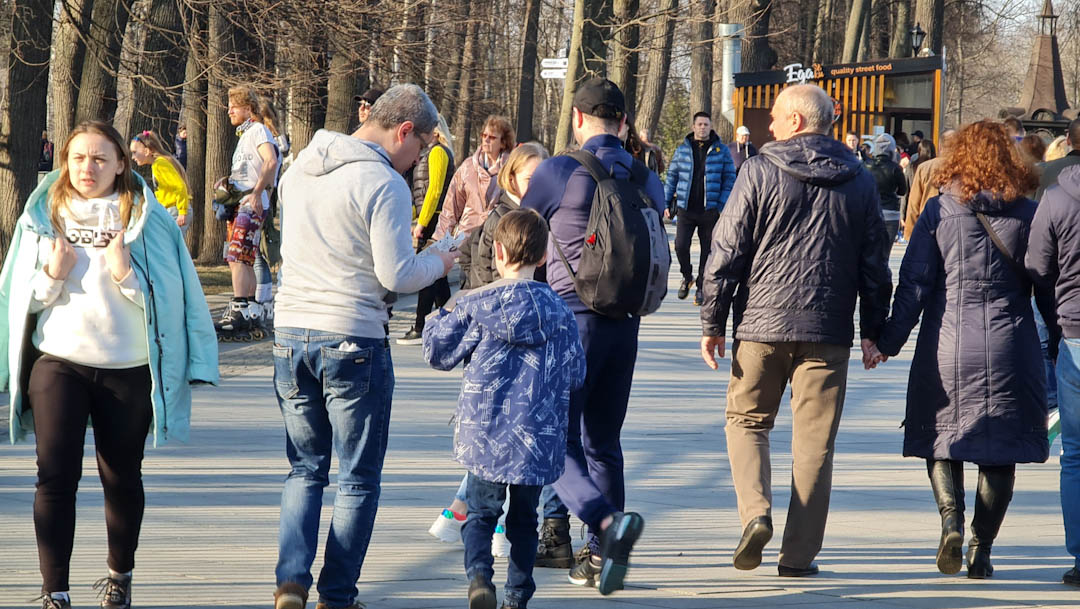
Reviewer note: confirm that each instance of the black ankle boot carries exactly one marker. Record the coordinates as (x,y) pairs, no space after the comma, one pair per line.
(555,549)
(947,481)
(991,502)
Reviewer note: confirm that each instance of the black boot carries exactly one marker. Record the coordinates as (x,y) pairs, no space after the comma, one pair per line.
(555,550)
(991,502)
(947,480)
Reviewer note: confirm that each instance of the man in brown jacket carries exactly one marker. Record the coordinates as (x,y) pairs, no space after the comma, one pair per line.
(923,187)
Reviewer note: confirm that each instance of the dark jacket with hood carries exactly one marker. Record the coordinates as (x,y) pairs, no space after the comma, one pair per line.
(801,237)
(1053,255)
(977,388)
(482,269)
(526,358)
(741,152)
(890,180)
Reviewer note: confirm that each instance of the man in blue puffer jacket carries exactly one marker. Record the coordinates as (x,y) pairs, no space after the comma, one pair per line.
(699,180)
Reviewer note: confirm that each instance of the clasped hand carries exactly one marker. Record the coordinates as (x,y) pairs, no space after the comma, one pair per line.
(871,356)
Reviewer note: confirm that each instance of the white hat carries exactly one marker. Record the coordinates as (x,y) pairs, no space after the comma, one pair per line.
(742,130)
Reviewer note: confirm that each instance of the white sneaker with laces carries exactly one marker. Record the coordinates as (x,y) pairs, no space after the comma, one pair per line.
(446,527)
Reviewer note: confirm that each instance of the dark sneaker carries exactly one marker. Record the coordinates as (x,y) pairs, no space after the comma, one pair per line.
(754,537)
(699,298)
(482,593)
(586,572)
(1071,577)
(412,337)
(616,542)
(115,592)
(808,571)
(290,595)
(555,550)
(684,289)
(48,602)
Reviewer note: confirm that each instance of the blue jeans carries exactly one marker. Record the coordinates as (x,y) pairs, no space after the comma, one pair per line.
(553,506)
(330,398)
(1068,376)
(485,501)
(1044,342)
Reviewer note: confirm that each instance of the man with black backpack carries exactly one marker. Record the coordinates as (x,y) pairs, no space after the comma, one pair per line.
(609,261)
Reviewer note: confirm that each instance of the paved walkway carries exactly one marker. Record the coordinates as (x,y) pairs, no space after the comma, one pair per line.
(209,539)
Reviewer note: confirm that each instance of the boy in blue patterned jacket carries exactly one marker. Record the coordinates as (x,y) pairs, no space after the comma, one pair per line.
(526,357)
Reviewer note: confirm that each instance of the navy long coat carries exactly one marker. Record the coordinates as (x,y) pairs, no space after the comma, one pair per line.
(977,389)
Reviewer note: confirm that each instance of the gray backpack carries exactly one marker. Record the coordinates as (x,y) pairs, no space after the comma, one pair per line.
(625,257)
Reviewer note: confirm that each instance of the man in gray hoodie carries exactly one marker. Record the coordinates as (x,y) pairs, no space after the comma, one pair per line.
(345,213)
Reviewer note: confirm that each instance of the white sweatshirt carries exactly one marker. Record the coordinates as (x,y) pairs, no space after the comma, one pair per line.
(88,318)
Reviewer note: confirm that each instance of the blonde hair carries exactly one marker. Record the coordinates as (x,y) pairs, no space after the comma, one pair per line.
(518,159)
(155,145)
(1057,149)
(244,95)
(268,116)
(61,192)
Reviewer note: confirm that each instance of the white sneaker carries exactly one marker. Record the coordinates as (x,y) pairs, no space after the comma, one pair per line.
(446,527)
(500,545)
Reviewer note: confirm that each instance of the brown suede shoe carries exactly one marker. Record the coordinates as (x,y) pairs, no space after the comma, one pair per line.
(290,595)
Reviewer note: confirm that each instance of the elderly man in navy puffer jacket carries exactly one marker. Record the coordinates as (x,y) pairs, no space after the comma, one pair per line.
(800,239)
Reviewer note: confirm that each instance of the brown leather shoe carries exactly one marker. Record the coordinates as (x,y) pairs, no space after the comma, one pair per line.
(290,595)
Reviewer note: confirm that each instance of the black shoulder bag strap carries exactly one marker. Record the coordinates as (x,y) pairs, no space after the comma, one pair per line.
(596,169)
(1017,268)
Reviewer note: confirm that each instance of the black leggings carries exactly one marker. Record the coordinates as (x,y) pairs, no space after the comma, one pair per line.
(62,396)
(435,295)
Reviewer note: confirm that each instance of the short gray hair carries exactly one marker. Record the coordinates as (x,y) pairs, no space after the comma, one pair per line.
(813,104)
(405,103)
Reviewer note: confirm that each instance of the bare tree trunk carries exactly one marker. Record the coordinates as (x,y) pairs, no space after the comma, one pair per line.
(656,79)
(527,83)
(701,56)
(864,40)
(158,87)
(340,87)
(220,135)
(930,15)
(596,30)
(901,43)
(97,88)
(624,55)
(574,74)
(853,33)
(758,55)
(880,39)
(194,118)
(823,49)
(23,118)
(65,69)
(462,122)
(807,26)
(448,99)
(307,113)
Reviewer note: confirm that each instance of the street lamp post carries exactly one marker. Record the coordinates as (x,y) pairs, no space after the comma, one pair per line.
(917,37)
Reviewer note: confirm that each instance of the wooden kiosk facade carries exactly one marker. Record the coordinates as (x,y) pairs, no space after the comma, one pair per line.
(893,94)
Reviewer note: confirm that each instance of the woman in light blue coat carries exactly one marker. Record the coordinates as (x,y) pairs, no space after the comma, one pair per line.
(104,320)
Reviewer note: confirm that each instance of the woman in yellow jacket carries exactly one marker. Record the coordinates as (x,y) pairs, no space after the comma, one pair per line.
(169,177)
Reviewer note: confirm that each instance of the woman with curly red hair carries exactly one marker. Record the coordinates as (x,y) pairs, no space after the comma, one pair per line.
(977,387)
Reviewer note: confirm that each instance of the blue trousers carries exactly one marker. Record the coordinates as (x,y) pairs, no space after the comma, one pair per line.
(331,399)
(485,501)
(592,485)
(1068,376)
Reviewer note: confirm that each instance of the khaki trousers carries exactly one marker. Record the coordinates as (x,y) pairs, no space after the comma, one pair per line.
(759,374)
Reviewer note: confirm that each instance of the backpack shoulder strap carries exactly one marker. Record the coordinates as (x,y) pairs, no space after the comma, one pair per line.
(589,161)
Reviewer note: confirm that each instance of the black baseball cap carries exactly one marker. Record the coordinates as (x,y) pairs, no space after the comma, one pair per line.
(601,98)
(369,96)
(917,134)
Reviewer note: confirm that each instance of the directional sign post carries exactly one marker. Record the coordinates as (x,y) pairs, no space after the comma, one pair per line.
(561,73)
(555,63)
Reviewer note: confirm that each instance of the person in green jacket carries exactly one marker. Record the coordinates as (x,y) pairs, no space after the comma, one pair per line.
(104,320)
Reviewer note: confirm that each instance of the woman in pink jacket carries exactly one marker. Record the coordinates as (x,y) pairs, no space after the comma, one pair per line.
(474,190)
